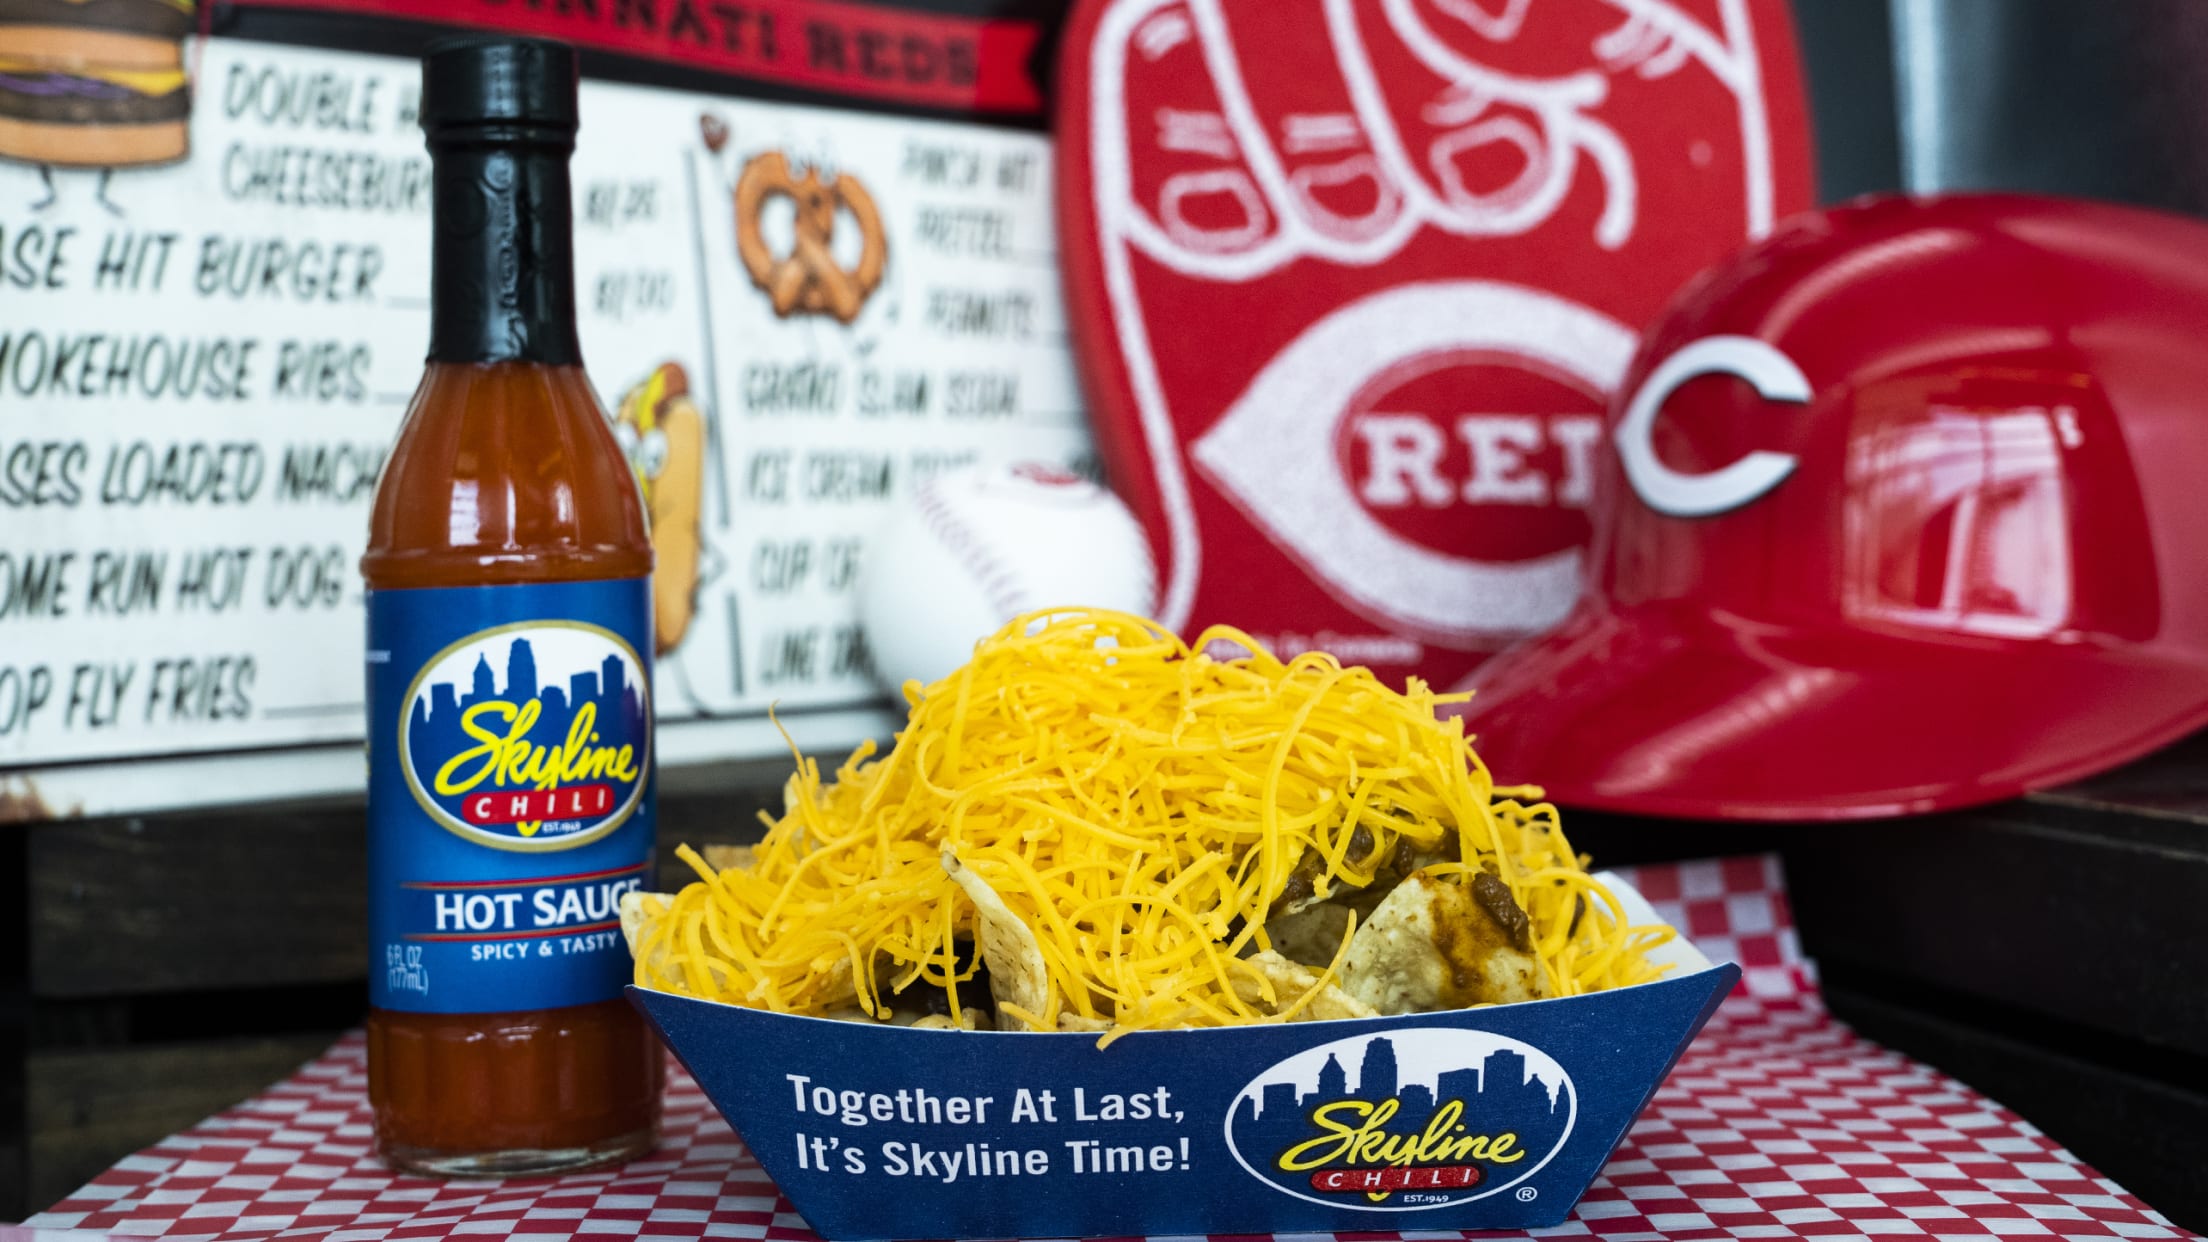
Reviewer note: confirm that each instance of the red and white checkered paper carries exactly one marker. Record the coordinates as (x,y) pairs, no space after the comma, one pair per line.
(1779,1122)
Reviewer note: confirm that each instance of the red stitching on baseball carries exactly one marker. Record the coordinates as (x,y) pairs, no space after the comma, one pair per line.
(998,582)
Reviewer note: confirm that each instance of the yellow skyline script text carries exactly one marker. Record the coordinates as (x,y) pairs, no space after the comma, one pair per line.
(505,758)
(1355,1136)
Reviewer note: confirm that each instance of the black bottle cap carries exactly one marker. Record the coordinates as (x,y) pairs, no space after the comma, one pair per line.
(514,88)
(500,118)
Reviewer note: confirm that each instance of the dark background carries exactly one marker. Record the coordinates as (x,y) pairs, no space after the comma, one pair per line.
(2052,952)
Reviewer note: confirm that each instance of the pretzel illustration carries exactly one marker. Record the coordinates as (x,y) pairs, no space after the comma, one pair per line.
(808,280)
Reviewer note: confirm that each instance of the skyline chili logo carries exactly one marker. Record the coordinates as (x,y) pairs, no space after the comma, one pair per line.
(529,737)
(1404,1120)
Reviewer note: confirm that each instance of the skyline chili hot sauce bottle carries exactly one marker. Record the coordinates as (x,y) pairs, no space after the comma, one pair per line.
(510,760)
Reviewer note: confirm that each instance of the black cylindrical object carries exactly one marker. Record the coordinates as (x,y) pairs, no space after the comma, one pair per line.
(500,118)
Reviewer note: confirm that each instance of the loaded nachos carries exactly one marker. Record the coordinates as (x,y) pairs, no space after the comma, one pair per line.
(1093,826)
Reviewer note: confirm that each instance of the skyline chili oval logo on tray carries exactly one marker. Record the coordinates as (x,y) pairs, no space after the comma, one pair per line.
(1404,1120)
(1354,282)
(533,737)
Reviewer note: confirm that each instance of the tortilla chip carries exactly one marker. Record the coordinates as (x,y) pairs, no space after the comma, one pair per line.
(1018,975)
(968,1020)
(839,983)
(1291,980)
(637,912)
(1310,936)
(727,857)
(1072,1022)
(1431,946)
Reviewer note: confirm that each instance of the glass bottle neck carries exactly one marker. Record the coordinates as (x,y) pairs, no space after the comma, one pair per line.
(502,262)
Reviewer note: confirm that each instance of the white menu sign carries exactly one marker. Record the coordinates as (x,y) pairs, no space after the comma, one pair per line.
(793,313)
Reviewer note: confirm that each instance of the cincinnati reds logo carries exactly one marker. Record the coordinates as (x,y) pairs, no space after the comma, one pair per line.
(1774,377)
(807,279)
(1275,452)
(1436,228)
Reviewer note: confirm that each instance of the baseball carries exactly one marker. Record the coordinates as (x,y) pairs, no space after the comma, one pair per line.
(972,548)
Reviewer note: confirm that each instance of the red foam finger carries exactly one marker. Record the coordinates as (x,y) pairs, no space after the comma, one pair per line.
(1546,40)
(1190,188)
(1314,155)
(1491,148)
(1374,428)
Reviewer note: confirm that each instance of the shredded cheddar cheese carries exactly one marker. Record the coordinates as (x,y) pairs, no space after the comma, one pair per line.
(1140,805)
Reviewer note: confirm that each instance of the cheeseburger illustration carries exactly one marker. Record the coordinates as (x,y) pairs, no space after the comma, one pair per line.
(664,435)
(93,83)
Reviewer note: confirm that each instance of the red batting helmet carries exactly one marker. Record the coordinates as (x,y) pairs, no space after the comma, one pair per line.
(1909,511)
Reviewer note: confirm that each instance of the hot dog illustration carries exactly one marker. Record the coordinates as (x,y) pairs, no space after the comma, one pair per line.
(663,433)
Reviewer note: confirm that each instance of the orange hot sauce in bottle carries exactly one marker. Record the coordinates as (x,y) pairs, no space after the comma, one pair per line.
(509,668)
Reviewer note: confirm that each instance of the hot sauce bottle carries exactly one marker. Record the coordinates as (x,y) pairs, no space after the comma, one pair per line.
(509,676)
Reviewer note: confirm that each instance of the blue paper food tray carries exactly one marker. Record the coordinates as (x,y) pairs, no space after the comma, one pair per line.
(1494,1118)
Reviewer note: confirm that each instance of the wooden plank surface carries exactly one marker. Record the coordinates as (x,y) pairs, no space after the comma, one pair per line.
(196,902)
(2171,784)
(2091,915)
(87,1108)
(266,897)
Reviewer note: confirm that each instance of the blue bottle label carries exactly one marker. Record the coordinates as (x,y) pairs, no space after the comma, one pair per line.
(509,792)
